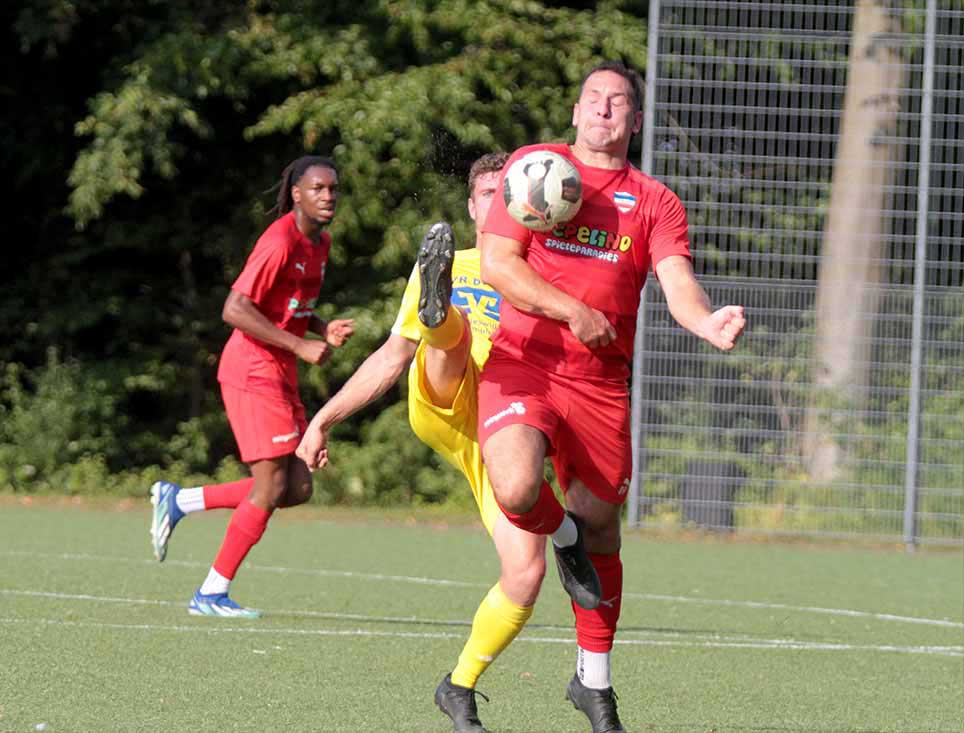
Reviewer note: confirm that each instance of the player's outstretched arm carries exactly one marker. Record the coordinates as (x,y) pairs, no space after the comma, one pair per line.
(690,305)
(505,269)
(369,382)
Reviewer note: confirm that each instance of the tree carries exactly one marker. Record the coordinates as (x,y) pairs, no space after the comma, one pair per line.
(185,115)
(850,278)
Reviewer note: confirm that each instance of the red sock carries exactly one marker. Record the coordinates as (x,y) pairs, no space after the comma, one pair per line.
(227,496)
(244,530)
(595,630)
(544,518)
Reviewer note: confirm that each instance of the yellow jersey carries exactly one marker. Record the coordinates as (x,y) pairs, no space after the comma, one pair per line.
(479,301)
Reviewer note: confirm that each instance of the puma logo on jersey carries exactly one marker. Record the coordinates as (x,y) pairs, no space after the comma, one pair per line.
(300,267)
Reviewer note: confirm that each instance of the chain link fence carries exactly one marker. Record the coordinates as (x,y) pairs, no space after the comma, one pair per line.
(819,151)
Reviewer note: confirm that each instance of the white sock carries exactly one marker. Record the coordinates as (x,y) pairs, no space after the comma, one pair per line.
(190,500)
(215,583)
(593,669)
(567,534)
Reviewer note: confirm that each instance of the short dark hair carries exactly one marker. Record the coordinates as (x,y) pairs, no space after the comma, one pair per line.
(626,72)
(488,163)
(293,173)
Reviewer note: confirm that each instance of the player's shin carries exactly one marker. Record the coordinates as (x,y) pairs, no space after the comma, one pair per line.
(228,495)
(497,622)
(448,333)
(245,529)
(596,629)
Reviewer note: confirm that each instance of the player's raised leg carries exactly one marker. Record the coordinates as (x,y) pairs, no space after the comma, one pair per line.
(171,503)
(442,326)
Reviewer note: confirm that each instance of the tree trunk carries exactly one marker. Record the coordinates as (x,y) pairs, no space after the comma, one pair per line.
(853,247)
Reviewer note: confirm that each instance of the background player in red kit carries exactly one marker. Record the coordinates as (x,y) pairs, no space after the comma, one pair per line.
(556,379)
(271,307)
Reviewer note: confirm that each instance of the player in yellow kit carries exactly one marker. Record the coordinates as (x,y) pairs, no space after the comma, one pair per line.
(445,421)
(442,330)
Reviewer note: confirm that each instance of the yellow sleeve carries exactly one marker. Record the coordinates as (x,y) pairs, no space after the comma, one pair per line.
(406,322)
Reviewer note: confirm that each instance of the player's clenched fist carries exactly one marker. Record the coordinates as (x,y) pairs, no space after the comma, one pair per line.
(313,351)
(723,327)
(313,448)
(338,331)
(592,327)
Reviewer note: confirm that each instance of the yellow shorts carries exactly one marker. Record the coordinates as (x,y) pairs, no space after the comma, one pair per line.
(452,432)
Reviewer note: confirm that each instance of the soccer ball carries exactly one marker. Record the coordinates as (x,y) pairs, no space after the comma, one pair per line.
(542,189)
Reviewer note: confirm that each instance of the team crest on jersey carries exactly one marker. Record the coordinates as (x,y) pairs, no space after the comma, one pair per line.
(625,202)
(479,300)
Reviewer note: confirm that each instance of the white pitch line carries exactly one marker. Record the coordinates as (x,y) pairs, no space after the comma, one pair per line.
(263,568)
(87,597)
(768,644)
(946,623)
(806,609)
(274,612)
(719,640)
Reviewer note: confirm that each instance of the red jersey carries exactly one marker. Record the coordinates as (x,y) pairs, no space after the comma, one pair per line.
(283,277)
(627,222)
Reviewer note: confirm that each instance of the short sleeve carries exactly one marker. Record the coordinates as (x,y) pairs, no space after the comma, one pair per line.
(670,234)
(406,322)
(261,270)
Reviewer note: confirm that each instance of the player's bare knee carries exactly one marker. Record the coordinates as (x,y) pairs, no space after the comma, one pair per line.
(270,485)
(518,494)
(516,490)
(298,489)
(531,575)
(521,581)
(299,493)
(514,457)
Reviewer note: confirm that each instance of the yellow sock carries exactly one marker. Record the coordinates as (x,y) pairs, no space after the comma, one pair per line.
(447,334)
(497,622)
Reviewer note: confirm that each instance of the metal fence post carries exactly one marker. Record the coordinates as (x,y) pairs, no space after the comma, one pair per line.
(649,102)
(920,276)
(636,414)
(646,165)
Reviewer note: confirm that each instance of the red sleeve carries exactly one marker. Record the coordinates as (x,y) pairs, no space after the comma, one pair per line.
(261,270)
(498,221)
(670,233)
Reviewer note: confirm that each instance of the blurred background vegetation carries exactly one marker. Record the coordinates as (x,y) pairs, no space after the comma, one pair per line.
(141,141)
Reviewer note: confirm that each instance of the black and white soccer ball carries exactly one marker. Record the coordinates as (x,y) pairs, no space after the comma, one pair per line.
(542,189)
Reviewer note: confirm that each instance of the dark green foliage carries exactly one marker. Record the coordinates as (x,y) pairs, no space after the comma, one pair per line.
(141,143)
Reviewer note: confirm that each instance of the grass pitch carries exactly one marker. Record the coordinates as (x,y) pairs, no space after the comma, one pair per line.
(364,615)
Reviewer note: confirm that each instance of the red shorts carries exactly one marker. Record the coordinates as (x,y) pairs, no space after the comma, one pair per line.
(264,425)
(587,423)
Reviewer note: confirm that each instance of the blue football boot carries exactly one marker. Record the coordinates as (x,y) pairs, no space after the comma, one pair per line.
(166,515)
(218,604)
